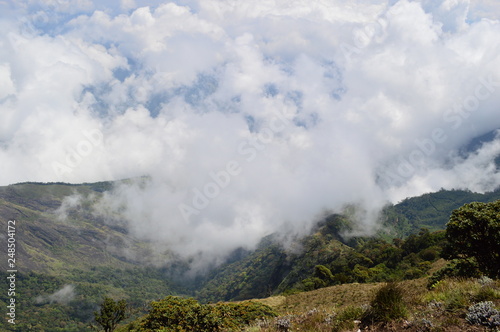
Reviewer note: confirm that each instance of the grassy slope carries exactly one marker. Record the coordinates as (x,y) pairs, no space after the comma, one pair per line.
(324,310)
(440,309)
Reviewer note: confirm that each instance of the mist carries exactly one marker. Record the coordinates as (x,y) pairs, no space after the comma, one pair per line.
(62,296)
(242,120)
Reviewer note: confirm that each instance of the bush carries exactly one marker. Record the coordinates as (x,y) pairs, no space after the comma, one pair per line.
(173,313)
(323,273)
(430,254)
(486,293)
(456,300)
(388,305)
(313,283)
(457,268)
(245,313)
(176,314)
(483,313)
(284,323)
(455,295)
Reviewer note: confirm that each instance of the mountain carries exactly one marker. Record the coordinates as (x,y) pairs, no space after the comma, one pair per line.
(431,210)
(67,265)
(274,268)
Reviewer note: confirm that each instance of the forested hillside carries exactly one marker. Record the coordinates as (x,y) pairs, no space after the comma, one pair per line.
(67,266)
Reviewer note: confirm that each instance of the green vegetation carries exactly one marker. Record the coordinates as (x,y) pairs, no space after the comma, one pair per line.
(474,232)
(324,260)
(473,243)
(431,211)
(454,296)
(41,308)
(453,305)
(256,275)
(386,306)
(176,314)
(111,313)
(456,268)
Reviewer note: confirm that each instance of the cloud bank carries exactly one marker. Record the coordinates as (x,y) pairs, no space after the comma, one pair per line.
(245,119)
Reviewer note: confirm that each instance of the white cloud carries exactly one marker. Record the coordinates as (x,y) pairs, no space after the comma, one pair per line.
(61,296)
(484,9)
(310,104)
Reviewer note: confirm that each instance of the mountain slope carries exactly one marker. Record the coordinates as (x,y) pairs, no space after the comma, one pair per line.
(431,210)
(348,259)
(67,265)
(46,243)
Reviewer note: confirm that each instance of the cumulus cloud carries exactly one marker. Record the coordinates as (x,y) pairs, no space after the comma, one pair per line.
(241,120)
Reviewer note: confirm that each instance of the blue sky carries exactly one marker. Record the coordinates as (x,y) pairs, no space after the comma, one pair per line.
(248,117)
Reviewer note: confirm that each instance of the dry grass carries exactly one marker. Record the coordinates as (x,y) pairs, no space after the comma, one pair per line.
(273,301)
(441,309)
(330,298)
(340,296)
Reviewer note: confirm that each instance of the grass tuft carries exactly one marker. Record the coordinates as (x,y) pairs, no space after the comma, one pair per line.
(387,305)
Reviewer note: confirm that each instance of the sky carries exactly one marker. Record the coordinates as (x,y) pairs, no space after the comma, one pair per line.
(241,119)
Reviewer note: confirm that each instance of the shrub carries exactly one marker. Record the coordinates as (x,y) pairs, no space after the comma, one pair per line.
(483,313)
(456,300)
(313,283)
(175,314)
(454,295)
(486,293)
(323,273)
(486,281)
(386,306)
(245,312)
(350,313)
(284,323)
(430,254)
(457,268)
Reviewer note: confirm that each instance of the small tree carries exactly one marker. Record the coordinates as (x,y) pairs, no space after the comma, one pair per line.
(324,273)
(474,232)
(111,313)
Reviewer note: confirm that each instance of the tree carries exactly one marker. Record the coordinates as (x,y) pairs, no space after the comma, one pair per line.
(324,273)
(111,314)
(474,232)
